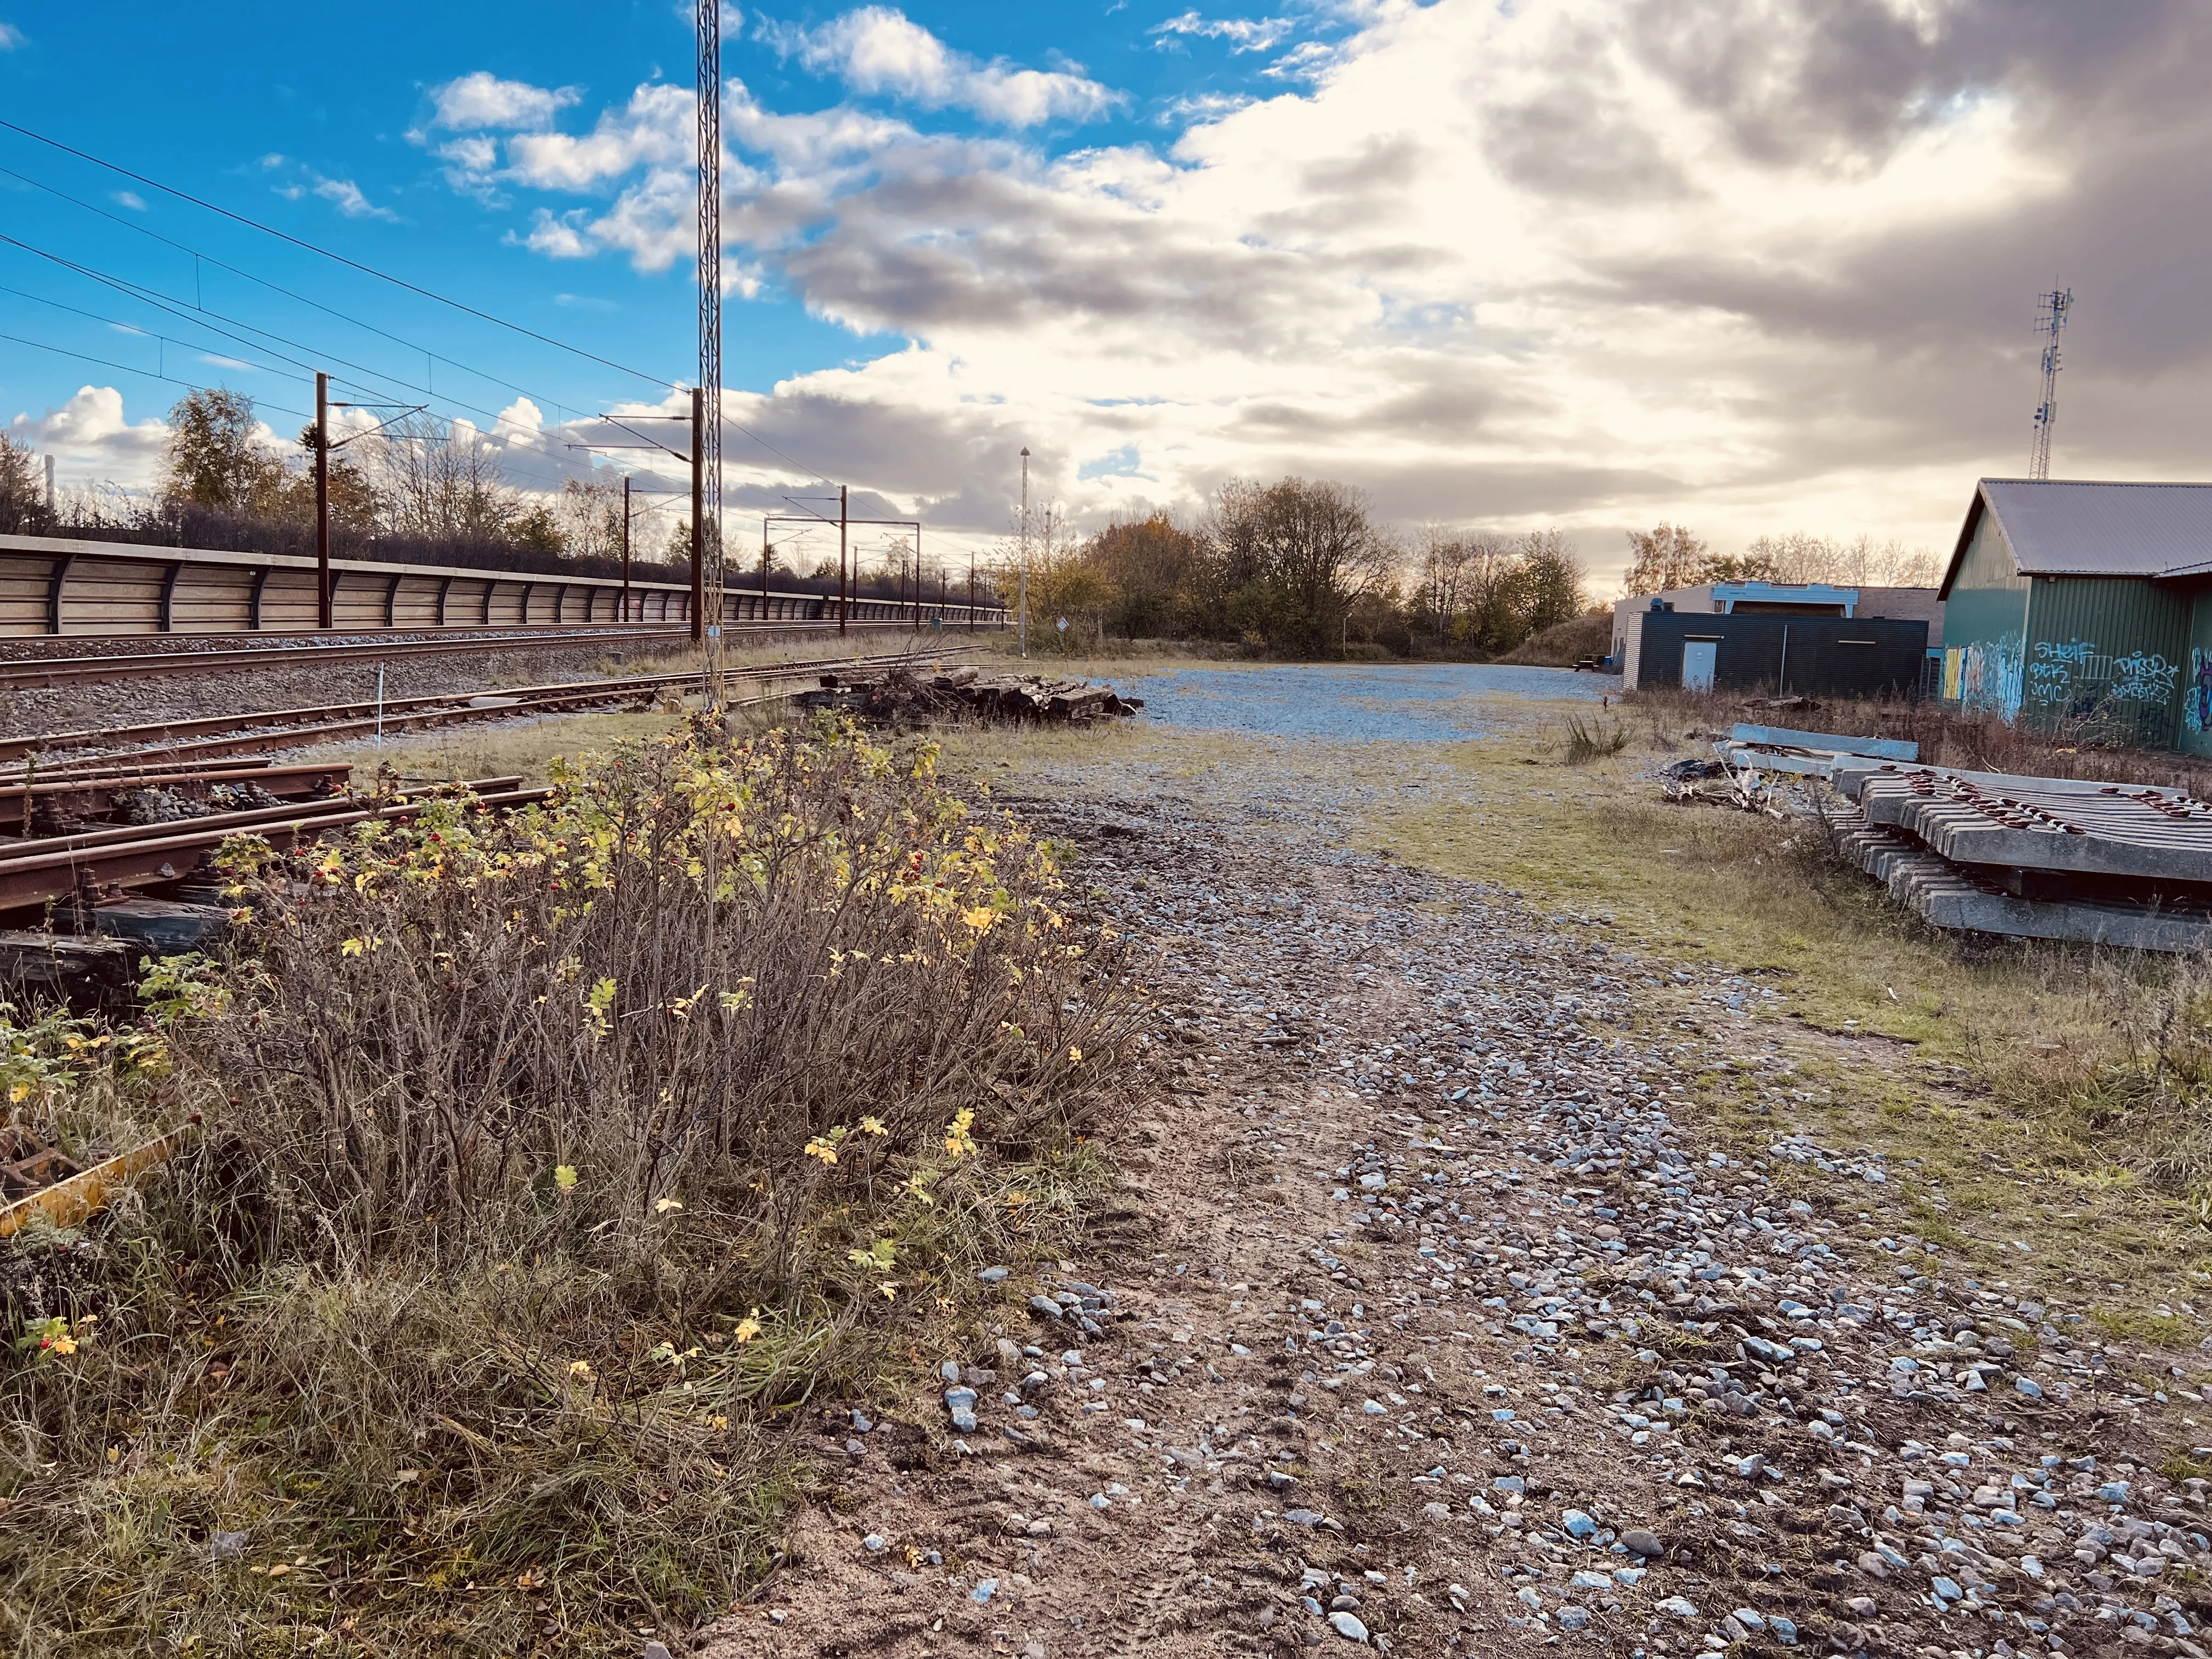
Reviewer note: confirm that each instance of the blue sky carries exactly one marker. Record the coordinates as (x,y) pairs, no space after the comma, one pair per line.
(1566,263)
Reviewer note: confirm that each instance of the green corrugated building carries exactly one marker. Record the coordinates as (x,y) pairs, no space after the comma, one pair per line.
(2085,608)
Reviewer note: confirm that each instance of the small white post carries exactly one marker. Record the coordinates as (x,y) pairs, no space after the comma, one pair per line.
(380,704)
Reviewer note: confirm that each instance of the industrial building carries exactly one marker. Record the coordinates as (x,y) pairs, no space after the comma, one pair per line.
(2085,607)
(1816,638)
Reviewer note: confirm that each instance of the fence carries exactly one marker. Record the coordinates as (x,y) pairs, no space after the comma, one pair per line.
(49,584)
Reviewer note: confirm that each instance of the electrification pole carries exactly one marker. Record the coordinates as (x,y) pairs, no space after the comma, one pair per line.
(322,502)
(698,517)
(625,605)
(844,603)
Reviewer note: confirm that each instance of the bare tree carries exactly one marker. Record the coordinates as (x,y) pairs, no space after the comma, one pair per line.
(589,512)
(22,490)
(441,479)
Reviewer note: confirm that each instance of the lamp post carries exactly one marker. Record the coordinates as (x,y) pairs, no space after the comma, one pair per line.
(1022,580)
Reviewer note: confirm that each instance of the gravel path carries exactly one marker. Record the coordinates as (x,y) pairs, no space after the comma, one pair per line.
(1428,1318)
(1432,701)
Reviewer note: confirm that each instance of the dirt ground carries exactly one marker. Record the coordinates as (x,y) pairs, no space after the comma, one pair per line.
(1435,1312)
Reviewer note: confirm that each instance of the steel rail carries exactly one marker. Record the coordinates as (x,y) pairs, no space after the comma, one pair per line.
(38,671)
(126,835)
(241,733)
(32,878)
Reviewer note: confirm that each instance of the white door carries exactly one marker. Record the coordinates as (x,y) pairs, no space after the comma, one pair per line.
(1698,663)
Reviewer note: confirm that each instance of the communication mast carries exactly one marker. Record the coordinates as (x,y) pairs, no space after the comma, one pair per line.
(707,524)
(2050,317)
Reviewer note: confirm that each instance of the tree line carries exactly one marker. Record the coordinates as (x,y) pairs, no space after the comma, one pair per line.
(419,491)
(1670,557)
(1300,568)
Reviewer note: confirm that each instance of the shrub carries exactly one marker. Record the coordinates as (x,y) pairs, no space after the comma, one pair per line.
(544,1153)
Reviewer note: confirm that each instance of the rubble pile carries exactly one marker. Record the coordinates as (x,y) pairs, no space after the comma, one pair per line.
(898,696)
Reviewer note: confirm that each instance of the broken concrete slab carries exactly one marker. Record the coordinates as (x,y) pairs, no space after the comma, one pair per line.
(1955,897)
(2117,830)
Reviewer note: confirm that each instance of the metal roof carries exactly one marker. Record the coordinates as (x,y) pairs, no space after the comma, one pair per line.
(2075,527)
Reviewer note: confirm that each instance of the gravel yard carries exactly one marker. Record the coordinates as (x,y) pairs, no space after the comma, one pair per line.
(1430,1313)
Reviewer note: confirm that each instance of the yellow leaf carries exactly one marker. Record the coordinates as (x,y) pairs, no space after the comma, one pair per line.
(748,1327)
(1075,1056)
(667,1204)
(564,1176)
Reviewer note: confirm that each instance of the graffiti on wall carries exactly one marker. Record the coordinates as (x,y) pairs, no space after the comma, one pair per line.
(1990,676)
(2076,678)
(2143,677)
(2057,670)
(2197,702)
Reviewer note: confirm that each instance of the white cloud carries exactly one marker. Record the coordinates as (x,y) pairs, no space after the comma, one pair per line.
(481,100)
(11,39)
(877,49)
(90,439)
(348,198)
(1588,263)
(655,129)
(1243,33)
(130,198)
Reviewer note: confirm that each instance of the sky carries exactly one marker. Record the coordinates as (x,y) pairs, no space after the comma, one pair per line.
(1757,266)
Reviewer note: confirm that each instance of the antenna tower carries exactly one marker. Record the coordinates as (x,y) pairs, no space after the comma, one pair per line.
(708,436)
(2050,319)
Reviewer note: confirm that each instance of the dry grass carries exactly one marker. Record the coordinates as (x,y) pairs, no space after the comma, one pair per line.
(1565,644)
(1973,742)
(2050,1094)
(538,1191)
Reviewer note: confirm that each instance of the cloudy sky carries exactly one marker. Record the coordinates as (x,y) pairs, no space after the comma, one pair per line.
(1763,265)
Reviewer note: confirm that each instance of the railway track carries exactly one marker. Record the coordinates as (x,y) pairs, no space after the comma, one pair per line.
(24,673)
(30,673)
(213,736)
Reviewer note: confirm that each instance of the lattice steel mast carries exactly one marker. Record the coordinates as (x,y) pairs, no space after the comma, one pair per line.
(708,434)
(2050,319)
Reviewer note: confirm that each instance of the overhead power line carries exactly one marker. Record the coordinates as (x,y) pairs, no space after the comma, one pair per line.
(126,369)
(340,258)
(275,288)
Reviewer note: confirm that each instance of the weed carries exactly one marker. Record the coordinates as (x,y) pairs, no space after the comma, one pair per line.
(2159,1330)
(549,1160)
(1594,739)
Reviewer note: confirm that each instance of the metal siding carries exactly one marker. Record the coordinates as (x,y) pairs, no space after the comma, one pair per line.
(2193,730)
(1985,623)
(2106,656)
(1752,655)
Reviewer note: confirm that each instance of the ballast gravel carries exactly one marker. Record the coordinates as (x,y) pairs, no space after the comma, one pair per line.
(1429,1318)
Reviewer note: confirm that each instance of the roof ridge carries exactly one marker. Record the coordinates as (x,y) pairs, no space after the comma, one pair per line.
(2113,483)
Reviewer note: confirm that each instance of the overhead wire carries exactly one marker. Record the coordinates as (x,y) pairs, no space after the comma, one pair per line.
(340,258)
(723,418)
(126,369)
(278,287)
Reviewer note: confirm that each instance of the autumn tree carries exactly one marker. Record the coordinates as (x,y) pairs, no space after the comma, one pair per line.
(1290,559)
(214,458)
(1668,557)
(1152,565)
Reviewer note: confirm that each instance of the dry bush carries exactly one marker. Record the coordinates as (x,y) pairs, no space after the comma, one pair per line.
(1973,742)
(544,1153)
